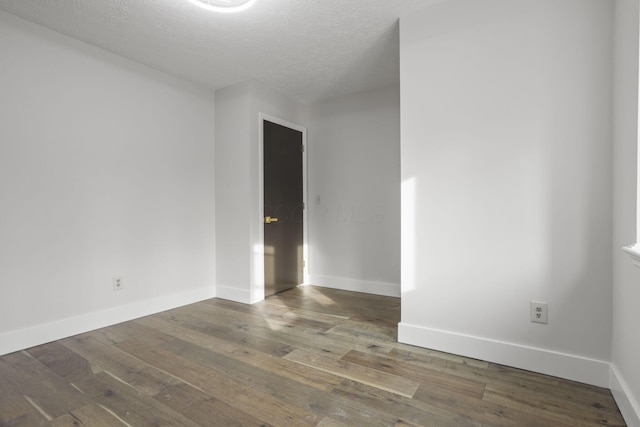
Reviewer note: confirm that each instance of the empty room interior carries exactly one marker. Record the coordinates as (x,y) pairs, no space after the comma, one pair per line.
(319,213)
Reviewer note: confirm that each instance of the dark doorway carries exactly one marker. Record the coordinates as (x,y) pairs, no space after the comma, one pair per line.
(283,208)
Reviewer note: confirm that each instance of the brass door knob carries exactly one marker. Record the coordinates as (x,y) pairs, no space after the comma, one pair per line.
(269,220)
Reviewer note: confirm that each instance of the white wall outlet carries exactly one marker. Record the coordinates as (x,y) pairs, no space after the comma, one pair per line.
(118,283)
(539,312)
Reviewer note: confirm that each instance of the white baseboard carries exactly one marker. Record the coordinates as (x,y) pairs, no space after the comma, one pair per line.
(629,406)
(568,366)
(234,294)
(355,285)
(41,334)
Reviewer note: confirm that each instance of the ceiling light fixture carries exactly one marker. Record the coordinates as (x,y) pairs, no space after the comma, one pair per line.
(225,6)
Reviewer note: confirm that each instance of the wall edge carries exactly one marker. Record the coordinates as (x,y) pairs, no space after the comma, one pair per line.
(567,366)
(21,339)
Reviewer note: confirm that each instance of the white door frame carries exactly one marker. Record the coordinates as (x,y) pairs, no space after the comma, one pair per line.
(259,268)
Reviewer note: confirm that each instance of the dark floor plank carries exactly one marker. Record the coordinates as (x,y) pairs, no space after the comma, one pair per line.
(283,333)
(130,406)
(221,387)
(24,420)
(49,394)
(62,361)
(92,415)
(405,409)
(208,324)
(117,363)
(255,358)
(486,412)
(444,383)
(555,407)
(15,410)
(471,369)
(204,409)
(286,389)
(127,330)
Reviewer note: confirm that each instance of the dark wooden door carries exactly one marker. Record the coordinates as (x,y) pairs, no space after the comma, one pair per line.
(283,208)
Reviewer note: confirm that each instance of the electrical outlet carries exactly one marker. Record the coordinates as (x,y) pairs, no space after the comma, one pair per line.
(118,283)
(539,312)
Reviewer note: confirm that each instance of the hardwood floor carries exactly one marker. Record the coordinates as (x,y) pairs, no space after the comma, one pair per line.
(306,357)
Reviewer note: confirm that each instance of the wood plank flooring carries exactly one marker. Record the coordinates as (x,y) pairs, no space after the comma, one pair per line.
(307,357)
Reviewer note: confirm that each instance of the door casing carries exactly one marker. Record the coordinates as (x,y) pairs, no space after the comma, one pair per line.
(259,250)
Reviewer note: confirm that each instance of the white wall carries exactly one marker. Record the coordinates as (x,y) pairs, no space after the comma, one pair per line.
(233,195)
(354,167)
(106,168)
(625,379)
(238,220)
(506,176)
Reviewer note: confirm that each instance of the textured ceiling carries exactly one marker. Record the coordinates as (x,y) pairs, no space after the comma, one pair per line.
(308,49)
